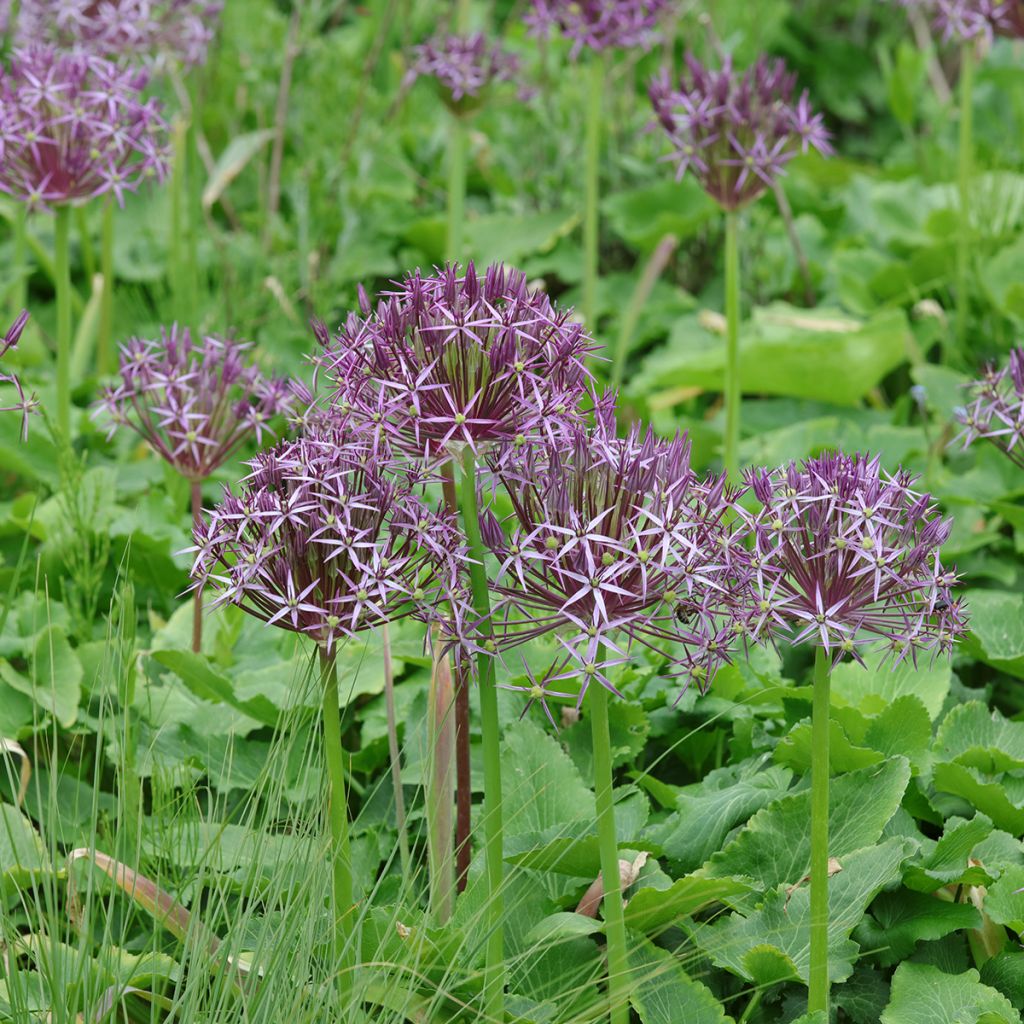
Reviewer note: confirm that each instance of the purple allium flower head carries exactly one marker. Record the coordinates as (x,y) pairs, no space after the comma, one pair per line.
(845,555)
(74,126)
(615,543)
(449,359)
(324,540)
(25,404)
(996,409)
(962,20)
(735,132)
(194,404)
(598,24)
(154,32)
(464,67)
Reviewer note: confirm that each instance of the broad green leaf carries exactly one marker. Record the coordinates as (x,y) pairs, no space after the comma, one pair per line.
(643,216)
(511,237)
(775,846)
(1003,903)
(996,637)
(872,689)
(23,855)
(904,727)
(899,920)
(557,927)
(794,749)
(652,910)
(663,993)
(922,994)
(55,683)
(988,796)
(947,863)
(708,811)
(974,735)
(230,164)
(1005,972)
(863,996)
(772,943)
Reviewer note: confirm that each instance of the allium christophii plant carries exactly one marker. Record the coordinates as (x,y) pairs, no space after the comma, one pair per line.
(962,20)
(194,403)
(846,555)
(75,126)
(598,24)
(464,67)
(25,404)
(155,32)
(615,544)
(323,540)
(454,359)
(735,132)
(996,410)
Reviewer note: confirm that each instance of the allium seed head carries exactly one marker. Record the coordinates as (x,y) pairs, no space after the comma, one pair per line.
(75,126)
(449,359)
(464,68)
(846,555)
(25,404)
(323,539)
(735,132)
(961,20)
(194,403)
(598,24)
(995,412)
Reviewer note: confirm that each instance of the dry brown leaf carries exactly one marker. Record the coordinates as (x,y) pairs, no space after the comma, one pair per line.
(14,748)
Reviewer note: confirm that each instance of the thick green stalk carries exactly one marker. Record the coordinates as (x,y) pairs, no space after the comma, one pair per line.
(733,391)
(440,795)
(462,16)
(591,186)
(458,137)
(178,244)
(340,853)
(394,754)
(104,340)
(965,160)
(820,768)
(615,925)
(62,278)
(19,254)
(494,977)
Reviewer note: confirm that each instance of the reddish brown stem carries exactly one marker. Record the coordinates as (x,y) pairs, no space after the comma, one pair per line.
(463,772)
(197,606)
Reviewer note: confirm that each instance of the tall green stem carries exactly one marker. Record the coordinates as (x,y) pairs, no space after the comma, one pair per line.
(615,925)
(394,754)
(966,155)
(440,787)
(19,254)
(103,342)
(494,978)
(820,769)
(341,856)
(62,276)
(457,146)
(733,391)
(592,187)
(180,248)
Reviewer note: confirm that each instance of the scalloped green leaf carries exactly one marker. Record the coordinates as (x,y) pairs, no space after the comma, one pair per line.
(922,994)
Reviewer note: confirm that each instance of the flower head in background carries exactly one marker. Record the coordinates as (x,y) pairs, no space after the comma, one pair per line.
(25,404)
(963,20)
(598,24)
(153,32)
(615,544)
(450,359)
(73,127)
(735,132)
(323,540)
(194,403)
(464,68)
(845,556)
(996,410)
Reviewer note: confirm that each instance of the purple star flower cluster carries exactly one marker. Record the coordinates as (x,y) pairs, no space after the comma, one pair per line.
(615,543)
(598,24)
(962,20)
(194,403)
(996,409)
(25,404)
(75,126)
(845,555)
(156,32)
(327,538)
(464,67)
(449,359)
(735,132)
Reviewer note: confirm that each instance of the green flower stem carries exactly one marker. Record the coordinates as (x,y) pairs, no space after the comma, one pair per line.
(394,754)
(440,787)
(494,978)
(820,769)
(180,246)
(733,391)
(196,491)
(340,853)
(458,137)
(965,161)
(19,253)
(104,340)
(615,924)
(591,185)
(62,279)
(85,241)
(462,16)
